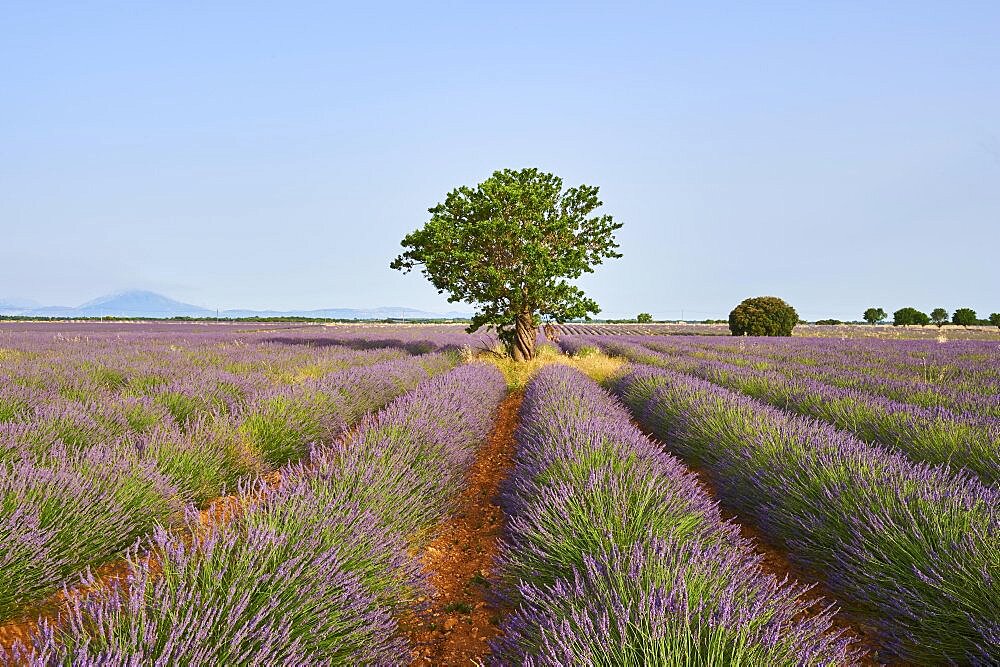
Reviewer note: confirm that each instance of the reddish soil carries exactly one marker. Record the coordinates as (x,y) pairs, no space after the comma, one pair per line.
(20,629)
(776,562)
(458,621)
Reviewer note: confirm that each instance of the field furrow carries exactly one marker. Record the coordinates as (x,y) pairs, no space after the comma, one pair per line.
(313,571)
(614,555)
(914,547)
(932,435)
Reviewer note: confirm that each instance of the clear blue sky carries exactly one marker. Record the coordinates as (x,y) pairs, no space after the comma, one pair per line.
(242,154)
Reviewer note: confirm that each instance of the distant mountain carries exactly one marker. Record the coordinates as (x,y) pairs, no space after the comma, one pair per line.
(12,306)
(141,303)
(383,313)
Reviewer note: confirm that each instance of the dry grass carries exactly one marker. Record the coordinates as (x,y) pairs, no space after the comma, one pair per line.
(597,365)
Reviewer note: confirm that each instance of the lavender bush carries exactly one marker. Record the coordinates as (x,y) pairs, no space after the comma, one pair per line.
(927,434)
(243,595)
(916,547)
(104,436)
(614,555)
(406,463)
(73,511)
(312,572)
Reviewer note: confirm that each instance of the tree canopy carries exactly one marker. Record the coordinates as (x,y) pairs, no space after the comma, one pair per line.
(939,316)
(510,246)
(763,316)
(643,318)
(874,315)
(965,317)
(909,315)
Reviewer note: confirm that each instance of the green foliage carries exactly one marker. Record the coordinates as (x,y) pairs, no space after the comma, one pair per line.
(995,319)
(965,317)
(939,316)
(643,318)
(763,316)
(204,463)
(282,428)
(509,246)
(908,315)
(875,315)
(184,408)
(12,408)
(829,322)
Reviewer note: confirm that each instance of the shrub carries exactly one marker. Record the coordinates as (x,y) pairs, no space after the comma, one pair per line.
(829,322)
(763,316)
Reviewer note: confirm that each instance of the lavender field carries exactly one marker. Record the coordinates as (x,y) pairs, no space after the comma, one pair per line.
(214,494)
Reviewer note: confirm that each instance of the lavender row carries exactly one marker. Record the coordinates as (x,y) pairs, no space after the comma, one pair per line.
(68,509)
(962,378)
(313,573)
(956,374)
(614,555)
(916,547)
(931,435)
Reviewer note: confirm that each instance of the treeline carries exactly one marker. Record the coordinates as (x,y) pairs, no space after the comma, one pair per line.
(965,317)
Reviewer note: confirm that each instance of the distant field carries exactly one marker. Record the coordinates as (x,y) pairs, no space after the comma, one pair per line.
(929,332)
(368,494)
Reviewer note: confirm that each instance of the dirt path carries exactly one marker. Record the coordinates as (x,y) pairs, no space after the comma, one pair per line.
(458,623)
(777,563)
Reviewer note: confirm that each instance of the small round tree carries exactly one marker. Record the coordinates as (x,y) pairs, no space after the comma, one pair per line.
(763,316)
(509,246)
(995,319)
(939,316)
(874,315)
(966,317)
(643,318)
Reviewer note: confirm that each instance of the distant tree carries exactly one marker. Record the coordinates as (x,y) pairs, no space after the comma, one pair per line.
(995,319)
(875,315)
(763,316)
(966,317)
(510,245)
(908,315)
(939,316)
(829,321)
(643,318)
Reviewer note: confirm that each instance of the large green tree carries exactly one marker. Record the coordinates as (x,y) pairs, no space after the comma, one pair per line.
(510,246)
(909,315)
(874,315)
(965,317)
(939,316)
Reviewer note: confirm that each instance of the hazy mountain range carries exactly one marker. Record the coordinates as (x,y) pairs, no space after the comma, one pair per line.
(141,303)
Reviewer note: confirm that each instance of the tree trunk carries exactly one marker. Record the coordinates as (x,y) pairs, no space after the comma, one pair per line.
(524,338)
